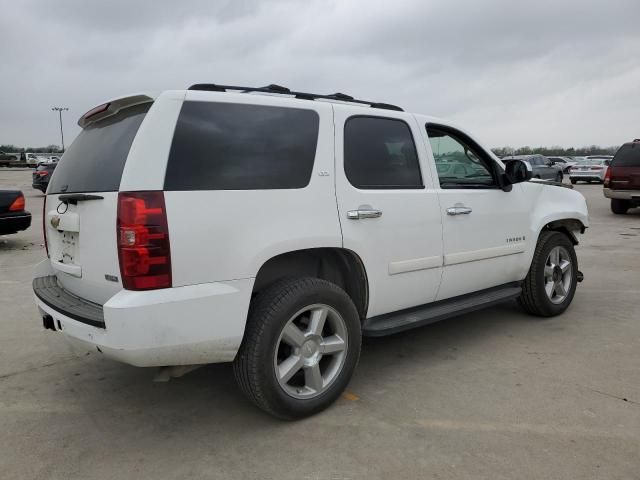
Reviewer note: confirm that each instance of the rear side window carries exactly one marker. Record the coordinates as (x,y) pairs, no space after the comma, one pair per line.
(95,160)
(380,153)
(229,146)
(627,156)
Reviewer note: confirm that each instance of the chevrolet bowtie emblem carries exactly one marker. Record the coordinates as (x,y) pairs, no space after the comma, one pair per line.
(55,221)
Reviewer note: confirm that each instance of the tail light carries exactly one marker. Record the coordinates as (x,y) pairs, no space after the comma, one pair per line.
(43,173)
(596,168)
(96,110)
(607,177)
(18,204)
(44,228)
(143,241)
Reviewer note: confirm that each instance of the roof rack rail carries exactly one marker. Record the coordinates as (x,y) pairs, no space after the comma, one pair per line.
(279,89)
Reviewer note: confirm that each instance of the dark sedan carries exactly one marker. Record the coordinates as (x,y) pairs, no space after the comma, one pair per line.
(42,175)
(13,216)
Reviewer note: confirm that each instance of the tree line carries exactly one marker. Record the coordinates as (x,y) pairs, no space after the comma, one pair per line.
(14,149)
(556,151)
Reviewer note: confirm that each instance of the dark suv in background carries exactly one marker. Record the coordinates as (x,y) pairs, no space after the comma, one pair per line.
(622,180)
(42,175)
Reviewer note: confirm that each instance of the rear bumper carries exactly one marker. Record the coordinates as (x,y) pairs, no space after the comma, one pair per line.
(175,326)
(586,176)
(633,195)
(42,186)
(14,222)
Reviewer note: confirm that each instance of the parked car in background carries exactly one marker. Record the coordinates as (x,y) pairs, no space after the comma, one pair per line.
(622,180)
(6,159)
(600,157)
(564,162)
(455,169)
(325,221)
(40,178)
(589,170)
(542,167)
(13,216)
(48,160)
(29,158)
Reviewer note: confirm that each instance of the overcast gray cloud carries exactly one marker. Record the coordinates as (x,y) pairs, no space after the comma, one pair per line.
(515,73)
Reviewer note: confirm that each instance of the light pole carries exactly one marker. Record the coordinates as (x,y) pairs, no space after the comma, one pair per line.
(60,110)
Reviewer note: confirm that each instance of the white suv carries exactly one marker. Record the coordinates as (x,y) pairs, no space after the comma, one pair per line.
(274,229)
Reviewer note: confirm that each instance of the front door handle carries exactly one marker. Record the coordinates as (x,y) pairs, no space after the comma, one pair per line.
(459,210)
(363,213)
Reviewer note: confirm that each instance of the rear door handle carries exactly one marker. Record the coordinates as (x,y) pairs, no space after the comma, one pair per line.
(459,210)
(363,213)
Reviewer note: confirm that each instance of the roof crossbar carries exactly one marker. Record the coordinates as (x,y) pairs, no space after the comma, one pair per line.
(278,89)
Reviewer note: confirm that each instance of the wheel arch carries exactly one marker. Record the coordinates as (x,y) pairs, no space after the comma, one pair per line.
(340,266)
(568,226)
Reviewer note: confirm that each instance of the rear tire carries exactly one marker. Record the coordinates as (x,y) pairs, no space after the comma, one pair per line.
(619,206)
(321,371)
(573,181)
(550,285)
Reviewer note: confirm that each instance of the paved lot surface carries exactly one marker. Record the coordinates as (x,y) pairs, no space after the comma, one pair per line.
(495,394)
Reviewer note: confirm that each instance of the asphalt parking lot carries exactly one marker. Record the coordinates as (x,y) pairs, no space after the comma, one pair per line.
(494,394)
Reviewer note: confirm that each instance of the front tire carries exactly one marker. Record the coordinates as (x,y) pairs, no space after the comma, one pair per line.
(301,346)
(551,282)
(620,206)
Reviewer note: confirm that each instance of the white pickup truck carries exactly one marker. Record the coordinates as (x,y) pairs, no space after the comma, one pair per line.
(274,229)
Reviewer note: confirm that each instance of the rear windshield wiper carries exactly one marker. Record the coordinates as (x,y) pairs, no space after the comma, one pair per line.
(74,198)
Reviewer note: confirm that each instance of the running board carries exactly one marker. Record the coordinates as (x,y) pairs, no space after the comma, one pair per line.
(395,322)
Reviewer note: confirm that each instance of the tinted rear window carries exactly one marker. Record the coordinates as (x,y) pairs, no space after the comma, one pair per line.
(380,153)
(627,156)
(95,160)
(228,146)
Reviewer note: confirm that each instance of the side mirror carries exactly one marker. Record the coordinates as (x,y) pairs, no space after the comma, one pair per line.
(518,171)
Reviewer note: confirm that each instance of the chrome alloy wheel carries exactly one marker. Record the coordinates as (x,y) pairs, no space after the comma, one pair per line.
(558,274)
(311,351)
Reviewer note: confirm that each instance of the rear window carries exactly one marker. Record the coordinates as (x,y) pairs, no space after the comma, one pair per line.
(95,160)
(229,146)
(627,156)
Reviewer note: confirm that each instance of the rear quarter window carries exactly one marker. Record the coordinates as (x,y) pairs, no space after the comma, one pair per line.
(228,146)
(627,156)
(95,160)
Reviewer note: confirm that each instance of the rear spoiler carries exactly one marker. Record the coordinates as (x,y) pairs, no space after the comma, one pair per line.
(112,107)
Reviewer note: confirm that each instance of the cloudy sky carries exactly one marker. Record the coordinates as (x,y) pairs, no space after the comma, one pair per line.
(515,73)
